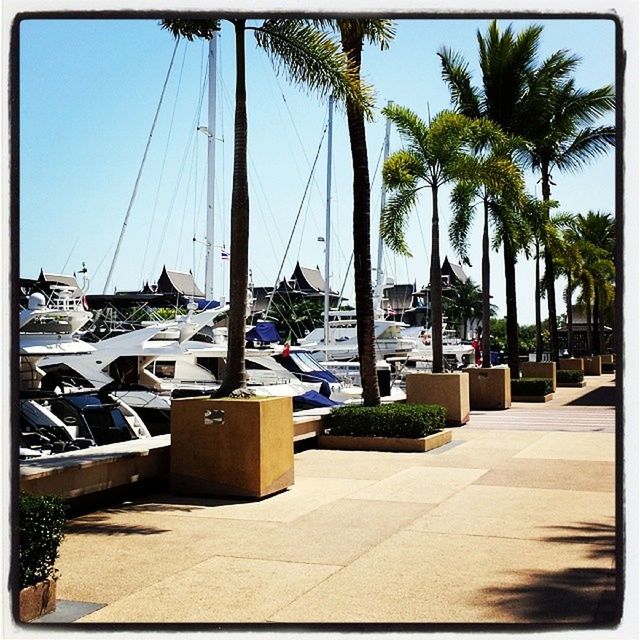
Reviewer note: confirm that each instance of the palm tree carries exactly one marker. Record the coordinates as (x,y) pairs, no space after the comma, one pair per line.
(519,95)
(433,155)
(310,58)
(561,136)
(491,178)
(595,234)
(464,302)
(353,34)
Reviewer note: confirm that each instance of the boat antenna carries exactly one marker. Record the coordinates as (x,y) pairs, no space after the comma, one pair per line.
(144,158)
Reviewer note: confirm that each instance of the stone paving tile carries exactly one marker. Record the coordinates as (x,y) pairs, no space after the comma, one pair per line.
(572,446)
(105,556)
(420,484)
(533,514)
(577,475)
(426,577)
(217,590)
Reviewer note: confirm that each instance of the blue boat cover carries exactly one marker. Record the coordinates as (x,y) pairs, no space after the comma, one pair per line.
(312,400)
(206,304)
(264,332)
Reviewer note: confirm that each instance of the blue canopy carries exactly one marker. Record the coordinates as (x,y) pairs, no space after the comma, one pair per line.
(206,304)
(312,400)
(264,332)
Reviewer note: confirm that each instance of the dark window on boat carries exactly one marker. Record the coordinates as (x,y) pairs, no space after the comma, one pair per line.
(250,364)
(164,368)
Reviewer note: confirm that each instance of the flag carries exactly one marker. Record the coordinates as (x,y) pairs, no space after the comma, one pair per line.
(224,254)
(287,347)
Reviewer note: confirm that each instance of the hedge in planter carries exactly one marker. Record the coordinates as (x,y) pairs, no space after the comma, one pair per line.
(531,387)
(569,375)
(42,521)
(387,421)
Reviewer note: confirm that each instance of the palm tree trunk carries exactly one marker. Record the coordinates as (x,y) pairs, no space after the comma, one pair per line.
(569,315)
(597,342)
(550,274)
(513,356)
(486,292)
(539,345)
(362,236)
(235,374)
(436,286)
(589,335)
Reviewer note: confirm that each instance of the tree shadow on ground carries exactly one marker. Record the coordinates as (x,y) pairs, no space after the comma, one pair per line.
(581,595)
(101,525)
(600,397)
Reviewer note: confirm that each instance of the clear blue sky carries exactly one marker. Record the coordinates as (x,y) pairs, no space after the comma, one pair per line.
(88,93)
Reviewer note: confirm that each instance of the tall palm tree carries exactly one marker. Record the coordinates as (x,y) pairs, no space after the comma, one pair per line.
(433,155)
(515,94)
(561,136)
(353,34)
(310,58)
(491,178)
(595,234)
(464,302)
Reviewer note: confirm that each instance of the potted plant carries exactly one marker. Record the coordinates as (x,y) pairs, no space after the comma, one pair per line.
(532,389)
(388,427)
(41,527)
(570,378)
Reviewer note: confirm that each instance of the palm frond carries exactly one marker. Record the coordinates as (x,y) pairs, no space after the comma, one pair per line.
(394,217)
(191,29)
(462,196)
(455,72)
(588,144)
(402,169)
(313,59)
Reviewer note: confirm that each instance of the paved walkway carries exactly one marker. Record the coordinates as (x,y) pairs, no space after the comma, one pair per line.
(513,522)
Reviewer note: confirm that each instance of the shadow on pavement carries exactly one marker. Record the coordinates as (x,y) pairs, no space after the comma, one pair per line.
(575,595)
(600,397)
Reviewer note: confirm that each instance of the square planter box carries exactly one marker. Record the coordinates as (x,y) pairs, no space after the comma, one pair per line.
(38,600)
(608,362)
(231,446)
(359,443)
(593,366)
(546,398)
(450,390)
(489,388)
(573,364)
(540,370)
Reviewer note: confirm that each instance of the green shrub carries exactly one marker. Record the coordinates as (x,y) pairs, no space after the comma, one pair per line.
(569,375)
(41,525)
(387,420)
(608,367)
(531,386)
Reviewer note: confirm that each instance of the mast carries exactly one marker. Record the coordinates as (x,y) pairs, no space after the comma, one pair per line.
(211,167)
(327,237)
(377,299)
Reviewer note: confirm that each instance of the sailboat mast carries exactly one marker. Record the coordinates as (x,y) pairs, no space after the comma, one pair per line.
(327,237)
(211,166)
(383,204)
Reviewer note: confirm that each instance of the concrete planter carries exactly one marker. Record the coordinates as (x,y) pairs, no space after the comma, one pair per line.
(38,600)
(450,390)
(359,443)
(573,364)
(593,366)
(489,388)
(546,398)
(540,370)
(575,385)
(231,446)
(608,362)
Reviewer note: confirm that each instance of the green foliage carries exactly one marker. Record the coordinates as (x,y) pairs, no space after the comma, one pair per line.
(296,316)
(42,521)
(569,375)
(387,420)
(531,386)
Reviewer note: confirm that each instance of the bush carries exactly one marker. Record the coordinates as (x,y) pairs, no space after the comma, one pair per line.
(41,524)
(569,375)
(531,386)
(387,421)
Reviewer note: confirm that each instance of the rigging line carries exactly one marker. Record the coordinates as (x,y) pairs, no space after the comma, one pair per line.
(144,157)
(185,206)
(344,282)
(64,266)
(304,195)
(193,133)
(164,162)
